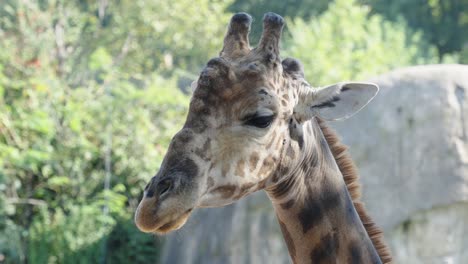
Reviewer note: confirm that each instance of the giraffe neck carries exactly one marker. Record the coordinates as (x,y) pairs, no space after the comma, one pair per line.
(315,211)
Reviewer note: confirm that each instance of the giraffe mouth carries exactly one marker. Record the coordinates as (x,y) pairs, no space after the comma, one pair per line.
(173,224)
(151,217)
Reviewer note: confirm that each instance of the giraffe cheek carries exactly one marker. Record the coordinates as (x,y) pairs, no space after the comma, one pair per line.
(267,167)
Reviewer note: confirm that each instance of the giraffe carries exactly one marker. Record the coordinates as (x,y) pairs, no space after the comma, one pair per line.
(254,123)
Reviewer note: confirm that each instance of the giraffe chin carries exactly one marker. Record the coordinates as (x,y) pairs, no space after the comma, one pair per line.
(172,225)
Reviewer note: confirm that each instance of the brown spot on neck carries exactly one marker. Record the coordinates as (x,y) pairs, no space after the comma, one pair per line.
(317,206)
(326,251)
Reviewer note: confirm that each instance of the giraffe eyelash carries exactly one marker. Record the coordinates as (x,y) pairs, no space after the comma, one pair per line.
(260,121)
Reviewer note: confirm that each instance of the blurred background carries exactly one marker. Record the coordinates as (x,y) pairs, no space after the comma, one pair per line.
(91,92)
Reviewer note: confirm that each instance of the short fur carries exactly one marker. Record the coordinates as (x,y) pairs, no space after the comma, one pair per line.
(351,177)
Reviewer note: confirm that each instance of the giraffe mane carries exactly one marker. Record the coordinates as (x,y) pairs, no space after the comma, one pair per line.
(351,177)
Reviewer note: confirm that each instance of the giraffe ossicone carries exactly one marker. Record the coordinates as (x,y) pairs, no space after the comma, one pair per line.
(254,123)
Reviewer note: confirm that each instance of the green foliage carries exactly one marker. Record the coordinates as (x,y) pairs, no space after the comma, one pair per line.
(78,235)
(11,241)
(444,23)
(143,36)
(67,105)
(54,152)
(344,43)
(126,243)
(72,237)
(183,32)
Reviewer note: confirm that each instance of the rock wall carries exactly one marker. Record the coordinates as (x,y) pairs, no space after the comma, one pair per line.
(411,147)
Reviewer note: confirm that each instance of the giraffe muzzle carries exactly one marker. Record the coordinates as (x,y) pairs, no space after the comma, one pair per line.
(160,211)
(169,198)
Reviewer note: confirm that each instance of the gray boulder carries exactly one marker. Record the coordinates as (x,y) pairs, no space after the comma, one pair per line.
(411,147)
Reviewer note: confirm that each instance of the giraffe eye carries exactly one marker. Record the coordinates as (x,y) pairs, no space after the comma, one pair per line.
(260,121)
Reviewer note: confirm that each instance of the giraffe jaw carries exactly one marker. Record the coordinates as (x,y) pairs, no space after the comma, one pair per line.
(173,224)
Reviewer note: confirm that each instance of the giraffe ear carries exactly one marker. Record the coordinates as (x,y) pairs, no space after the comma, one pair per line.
(335,102)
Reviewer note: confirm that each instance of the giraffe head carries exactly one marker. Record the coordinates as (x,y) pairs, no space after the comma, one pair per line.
(247,106)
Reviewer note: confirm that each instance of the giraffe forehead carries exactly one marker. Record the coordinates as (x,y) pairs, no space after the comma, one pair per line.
(238,99)
(221,75)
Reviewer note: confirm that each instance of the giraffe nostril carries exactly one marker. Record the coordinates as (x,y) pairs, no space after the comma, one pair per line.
(164,186)
(149,193)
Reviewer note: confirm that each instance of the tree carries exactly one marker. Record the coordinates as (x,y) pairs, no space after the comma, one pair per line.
(444,23)
(344,43)
(148,35)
